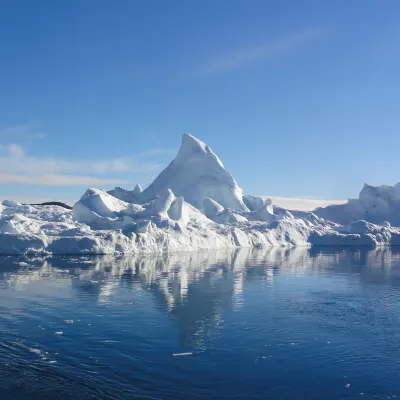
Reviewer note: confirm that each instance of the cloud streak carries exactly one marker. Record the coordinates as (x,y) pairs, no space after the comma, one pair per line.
(251,55)
(56,180)
(28,130)
(18,167)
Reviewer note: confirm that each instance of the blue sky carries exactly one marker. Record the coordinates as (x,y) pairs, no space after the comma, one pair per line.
(299,99)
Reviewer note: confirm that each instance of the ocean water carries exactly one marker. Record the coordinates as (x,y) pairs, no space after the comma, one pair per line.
(243,324)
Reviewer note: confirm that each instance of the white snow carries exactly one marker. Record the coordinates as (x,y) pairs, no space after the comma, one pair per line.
(194,204)
(197,173)
(376,204)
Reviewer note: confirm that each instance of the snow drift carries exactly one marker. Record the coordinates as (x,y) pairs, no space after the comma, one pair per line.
(194,204)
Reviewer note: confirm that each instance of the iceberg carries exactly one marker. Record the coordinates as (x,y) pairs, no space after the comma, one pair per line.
(193,204)
(376,204)
(197,173)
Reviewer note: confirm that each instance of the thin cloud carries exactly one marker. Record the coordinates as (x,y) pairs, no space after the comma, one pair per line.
(253,54)
(14,159)
(18,167)
(57,180)
(27,130)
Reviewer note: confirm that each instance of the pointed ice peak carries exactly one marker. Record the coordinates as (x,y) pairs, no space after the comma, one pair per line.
(191,147)
(191,143)
(197,173)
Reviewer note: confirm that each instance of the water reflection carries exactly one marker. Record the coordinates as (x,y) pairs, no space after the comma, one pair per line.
(176,277)
(196,288)
(255,308)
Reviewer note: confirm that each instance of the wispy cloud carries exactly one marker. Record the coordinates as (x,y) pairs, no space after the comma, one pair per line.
(56,180)
(18,167)
(260,52)
(27,130)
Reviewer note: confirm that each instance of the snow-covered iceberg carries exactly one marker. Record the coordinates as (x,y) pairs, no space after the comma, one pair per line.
(194,204)
(375,204)
(197,173)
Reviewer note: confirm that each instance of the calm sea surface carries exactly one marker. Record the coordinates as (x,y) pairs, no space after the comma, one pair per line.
(244,324)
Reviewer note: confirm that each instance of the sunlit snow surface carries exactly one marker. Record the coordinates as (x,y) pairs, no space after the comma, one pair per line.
(194,204)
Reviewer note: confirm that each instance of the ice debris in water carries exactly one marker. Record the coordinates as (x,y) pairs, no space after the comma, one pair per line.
(194,204)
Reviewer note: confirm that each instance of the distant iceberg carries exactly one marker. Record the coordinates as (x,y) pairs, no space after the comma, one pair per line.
(194,204)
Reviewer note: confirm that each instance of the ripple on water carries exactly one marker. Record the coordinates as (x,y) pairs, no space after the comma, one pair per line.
(260,324)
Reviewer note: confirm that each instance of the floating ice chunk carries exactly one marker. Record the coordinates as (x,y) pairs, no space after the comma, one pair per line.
(374,204)
(102,223)
(182,354)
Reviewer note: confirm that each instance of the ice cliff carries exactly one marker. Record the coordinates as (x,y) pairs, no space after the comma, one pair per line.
(194,204)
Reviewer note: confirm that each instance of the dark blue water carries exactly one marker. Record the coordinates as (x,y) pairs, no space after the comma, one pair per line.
(261,324)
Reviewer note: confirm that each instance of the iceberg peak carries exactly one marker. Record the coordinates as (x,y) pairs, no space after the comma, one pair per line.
(191,148)
(197,173)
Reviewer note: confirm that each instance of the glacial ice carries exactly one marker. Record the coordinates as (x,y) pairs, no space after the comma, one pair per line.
(375,204)
(194,204)
(197,173)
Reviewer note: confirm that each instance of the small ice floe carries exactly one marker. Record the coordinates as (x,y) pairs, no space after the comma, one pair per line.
(182,354)
(58,333)
(347,385)
(69,321)
(23,264)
